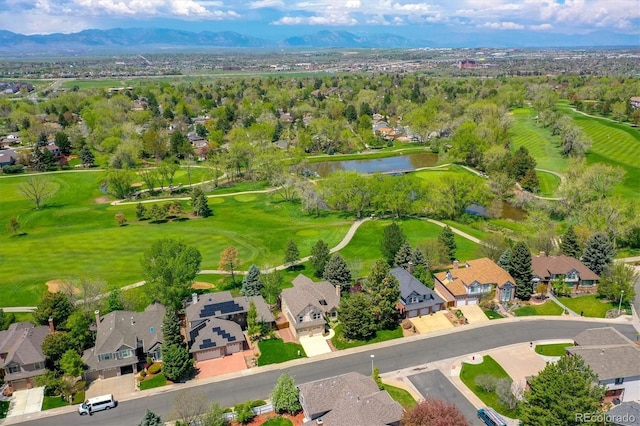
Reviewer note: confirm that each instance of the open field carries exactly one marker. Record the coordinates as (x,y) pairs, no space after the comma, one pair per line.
(538,141)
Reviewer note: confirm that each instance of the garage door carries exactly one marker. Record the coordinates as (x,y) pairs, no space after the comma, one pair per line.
(462,302)
(19,384)
(210,354)
(472,302)
(412,314)
(107,374)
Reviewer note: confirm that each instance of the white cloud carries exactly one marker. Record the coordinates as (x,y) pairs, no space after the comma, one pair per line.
(503,26)
(329,20)
(266,3)
(541,27)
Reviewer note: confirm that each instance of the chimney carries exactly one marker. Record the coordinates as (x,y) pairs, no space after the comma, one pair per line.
(194,298)
(410,267)
(455,264)
(338,289)
(51,326)
(542,254)
(97,314)
(132,321)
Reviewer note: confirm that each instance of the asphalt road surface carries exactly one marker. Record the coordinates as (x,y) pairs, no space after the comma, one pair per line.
(402,355)
(435,384)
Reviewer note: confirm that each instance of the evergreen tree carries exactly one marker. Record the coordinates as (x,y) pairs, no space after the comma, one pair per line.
(392,240)
(337,272)
(505,260)
(114,302)
(319,257)
(151,419)
(291,254)
(560,393)
(253,325)
(251,284)
(570,245)
(598,253)
(285,395)
(520,270)
(141,211)
(404,255)
(200,203)
(171,329)
(177,364)
(86,156)
(448,242)
(418,258)
(384,296)
(356,317)
(530,181)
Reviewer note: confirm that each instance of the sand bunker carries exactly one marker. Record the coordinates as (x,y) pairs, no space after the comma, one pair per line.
(199,285)
(102,200)
(61,285)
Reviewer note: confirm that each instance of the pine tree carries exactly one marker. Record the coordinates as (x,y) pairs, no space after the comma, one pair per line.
(448,242)
(285,395)
(598,253)
(251,284)
(319,257)
(356,317)
(200,203)
(141,211)
(505,260)
(171,328)
(418,258)
(392,240)
(291,254)
(151,419)
(177,364)
(403,256)
(520,270)
(570,245)
(337,272)
(86,157)
(383,290)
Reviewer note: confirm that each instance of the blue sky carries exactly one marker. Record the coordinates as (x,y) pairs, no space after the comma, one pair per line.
(275,19)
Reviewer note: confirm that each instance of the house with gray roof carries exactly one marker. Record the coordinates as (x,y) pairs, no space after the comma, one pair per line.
(308,305)
(124,340)
(416,299)
(348,399)
(614,358)
(579,278)
(625,414)
(215,323)
(21,357)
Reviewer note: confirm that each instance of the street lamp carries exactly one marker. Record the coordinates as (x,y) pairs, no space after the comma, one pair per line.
(620,304)
(372,357)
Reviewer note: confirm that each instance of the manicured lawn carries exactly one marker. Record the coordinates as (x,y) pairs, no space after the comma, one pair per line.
(153,382)
(490,367)
(79,235)
(554,349)
(592,306)
(538,141)
(4,407)
(339,342)
(493,315)
(402,396)
(50,402)
(278,421)
(274,351)
(547,308)
(549,184)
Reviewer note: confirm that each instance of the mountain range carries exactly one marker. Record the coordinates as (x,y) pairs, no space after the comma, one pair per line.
(158,39)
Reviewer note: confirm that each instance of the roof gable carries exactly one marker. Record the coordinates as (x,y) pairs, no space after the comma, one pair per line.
(120,328)
(306,293)
(545,266)
(483,271)
(22,342)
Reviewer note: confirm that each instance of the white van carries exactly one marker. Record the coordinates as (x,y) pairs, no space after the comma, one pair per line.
(91,405)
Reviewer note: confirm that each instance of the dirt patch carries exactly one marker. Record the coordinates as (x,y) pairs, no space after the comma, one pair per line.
(102,200)
(61,285)
(200,285)
(137,184)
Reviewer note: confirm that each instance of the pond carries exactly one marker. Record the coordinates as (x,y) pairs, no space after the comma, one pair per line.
(373,165)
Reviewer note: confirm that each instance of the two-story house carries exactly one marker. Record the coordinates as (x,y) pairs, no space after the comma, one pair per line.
(574,273)
(307,304)
(466,285)
(415,298)
(21,357)
(124,340)
(614,358)
(215,323)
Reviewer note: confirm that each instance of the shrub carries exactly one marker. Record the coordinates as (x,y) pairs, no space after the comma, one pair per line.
(244,413)
(505,394)
(257,403)
(407,324)
(143,374)
(155,368)
(486,382)
(16,168)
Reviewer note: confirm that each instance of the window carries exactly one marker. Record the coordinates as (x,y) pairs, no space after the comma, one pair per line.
(301,318)
(317,315)
(413,299)
(38,365)
(14,369)
(105,357)
(125,353)
(619,380)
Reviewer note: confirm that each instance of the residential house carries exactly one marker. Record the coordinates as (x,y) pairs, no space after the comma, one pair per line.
(614,358)
(625,414)
(215,323)
(124,340)
(466,285)
(416,299)
(578,277)
(635,102)
(21,357)
(307,305)
(350,398)
(7,158)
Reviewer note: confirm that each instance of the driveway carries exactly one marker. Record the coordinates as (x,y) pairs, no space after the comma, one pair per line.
(429,323)
(116,386)
(519,361)
(227,364)
(474,314)
(26,401)
(315,345)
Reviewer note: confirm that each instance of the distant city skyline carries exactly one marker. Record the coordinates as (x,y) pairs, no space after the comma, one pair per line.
(275,19)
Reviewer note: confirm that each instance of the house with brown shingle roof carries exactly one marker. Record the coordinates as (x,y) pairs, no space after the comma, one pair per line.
(21,357)
(467,284)
(348,399)
(574,273)
(614,358)
(307,305)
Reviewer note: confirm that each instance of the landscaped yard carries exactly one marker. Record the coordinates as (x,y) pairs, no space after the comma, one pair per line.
(49,402)
(402,396)
(278,421)
(591,306)
(156,381)
(493,315)
(547,308)
(553,349)
(489,367)
(274,351)
(4,407)
(339,342)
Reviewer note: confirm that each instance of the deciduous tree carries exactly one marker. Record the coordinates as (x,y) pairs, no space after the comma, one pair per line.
(141,211)
(71,363)
(618,282)
(114,301)
(188,406)
(291,254)
(14,225)
(319,257)
(434,412)
(37,189)
(54,346)
(384,291)
(598,253)
(57,306)
(229,261)
(271,286)
(119,182)
(285,395)
(520,270)
(78,326)
(337,272)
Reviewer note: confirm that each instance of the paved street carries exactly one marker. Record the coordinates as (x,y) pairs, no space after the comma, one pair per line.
(389,356)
